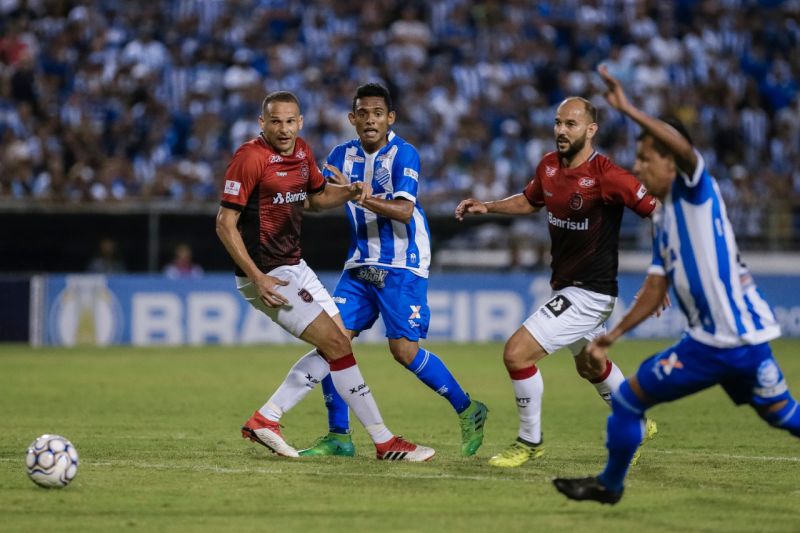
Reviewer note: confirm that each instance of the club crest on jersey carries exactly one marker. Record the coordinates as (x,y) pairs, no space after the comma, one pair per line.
(305,296)
(304,172)
(382,176)
(575,202)
(586,182)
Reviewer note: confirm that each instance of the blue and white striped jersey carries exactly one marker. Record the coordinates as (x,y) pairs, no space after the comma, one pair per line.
(393,172)
(695,247)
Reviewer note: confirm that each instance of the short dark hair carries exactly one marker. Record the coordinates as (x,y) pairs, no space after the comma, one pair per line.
(660,147)
(279,96)
(591,110)
(374,89)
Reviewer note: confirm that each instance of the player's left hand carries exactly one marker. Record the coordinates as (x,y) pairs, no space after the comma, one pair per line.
(598,348)
(360,191)
(615,94)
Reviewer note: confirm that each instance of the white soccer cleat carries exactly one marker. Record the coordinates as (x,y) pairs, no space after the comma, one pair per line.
(267,433)
(399,449)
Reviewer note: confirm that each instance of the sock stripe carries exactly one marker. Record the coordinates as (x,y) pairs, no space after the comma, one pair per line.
(606,372)
(423,363)
(523,373)
(786,418)
(342,363)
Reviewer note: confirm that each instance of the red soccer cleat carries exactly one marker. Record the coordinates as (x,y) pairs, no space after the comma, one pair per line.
(399,449)
(267,433)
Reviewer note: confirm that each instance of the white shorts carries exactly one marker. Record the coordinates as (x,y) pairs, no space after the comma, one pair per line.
(571,318)
(307,297)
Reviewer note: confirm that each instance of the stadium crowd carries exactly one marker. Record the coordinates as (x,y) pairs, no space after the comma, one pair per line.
(107,100)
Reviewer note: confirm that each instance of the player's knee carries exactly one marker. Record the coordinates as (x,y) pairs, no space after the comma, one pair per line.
(404,354)
(590,367)
(785,416)
(516,355)
(338,345)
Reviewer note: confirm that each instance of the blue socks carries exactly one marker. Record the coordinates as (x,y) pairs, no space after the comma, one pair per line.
(338,413)
(624,435)
(432,372)
(788,417)
(426,366)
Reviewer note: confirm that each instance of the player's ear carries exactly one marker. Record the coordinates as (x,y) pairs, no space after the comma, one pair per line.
(591,129)
(352,118)
(300,122)
(391,116)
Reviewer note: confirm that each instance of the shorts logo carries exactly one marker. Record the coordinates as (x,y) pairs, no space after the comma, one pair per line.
(373,275)
(576,202)
(414,312)
(586,182)
(558,305)
(232,187)
(670,363)
(305,296)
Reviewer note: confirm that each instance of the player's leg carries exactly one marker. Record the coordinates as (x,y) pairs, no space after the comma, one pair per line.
(760,382)
(678,371)
(403,304)
(355,312)
(349,383)
(521,353)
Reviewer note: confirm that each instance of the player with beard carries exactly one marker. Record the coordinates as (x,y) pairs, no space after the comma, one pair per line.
(584,194)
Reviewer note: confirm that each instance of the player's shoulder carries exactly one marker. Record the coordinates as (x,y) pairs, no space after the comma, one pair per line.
(405,150)
(549,164)
(254,145)
(602,165)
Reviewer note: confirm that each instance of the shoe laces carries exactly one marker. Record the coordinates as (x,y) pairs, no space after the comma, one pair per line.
(399,444)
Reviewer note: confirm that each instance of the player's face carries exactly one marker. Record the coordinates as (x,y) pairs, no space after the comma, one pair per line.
(372,119)
(654,170)
(572,129)
(281,122)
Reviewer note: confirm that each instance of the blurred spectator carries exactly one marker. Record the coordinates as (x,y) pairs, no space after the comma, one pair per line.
(107,260)
(181,266)
(112,101)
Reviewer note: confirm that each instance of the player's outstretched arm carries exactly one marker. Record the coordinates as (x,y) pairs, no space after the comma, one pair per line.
(513,205)
(651,297)
(335,195)
(681,149)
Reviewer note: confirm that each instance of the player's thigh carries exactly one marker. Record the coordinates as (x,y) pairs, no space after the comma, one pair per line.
(680,370)
(757,378)
(403,305)
(329,339)
(298,313)
(572,317)
(309,281)
(356,302)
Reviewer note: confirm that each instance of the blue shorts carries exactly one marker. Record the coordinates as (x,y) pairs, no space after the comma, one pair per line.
(397,294)
(749,374)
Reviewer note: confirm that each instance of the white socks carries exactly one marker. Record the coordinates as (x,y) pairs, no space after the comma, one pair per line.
(528,390)
(609,382)
(301,379)
(351,387)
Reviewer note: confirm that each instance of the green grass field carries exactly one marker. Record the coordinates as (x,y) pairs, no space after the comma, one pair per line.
(158,435)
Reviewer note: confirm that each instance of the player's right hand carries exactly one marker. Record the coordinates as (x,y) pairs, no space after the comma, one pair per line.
(267,289)
(598,348)
(615,94)
(470,206)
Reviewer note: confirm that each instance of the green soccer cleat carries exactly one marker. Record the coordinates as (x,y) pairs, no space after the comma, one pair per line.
(650,431)
(331,444)
(472,421)
(517,454)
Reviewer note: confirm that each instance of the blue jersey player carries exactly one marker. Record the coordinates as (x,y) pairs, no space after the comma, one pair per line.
(729,324)
(386,271)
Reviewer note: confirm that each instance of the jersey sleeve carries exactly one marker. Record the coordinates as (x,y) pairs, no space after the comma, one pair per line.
(533,191)
(241,177)
(699,172)
(620,187)
(405,173)
(316,182)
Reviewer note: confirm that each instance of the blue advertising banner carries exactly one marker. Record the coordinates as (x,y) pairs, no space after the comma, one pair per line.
(152,310)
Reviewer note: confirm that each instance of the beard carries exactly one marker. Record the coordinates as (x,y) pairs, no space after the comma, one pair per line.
(572,148)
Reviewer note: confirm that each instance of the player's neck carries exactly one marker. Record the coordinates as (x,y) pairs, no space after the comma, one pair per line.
(578,159)
(373,148)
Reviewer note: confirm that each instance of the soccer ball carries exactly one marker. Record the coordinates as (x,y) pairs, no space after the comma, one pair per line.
(52,461)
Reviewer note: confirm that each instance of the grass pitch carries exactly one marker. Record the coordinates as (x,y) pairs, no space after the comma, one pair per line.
(158,435)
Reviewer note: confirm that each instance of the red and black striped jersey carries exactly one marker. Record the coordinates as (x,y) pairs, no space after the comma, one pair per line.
(269,189)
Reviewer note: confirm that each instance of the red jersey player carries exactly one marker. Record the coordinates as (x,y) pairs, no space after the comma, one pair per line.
(266,185)
(585,194)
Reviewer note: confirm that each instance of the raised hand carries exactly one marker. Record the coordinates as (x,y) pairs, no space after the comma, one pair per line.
(338,178)
(615,94)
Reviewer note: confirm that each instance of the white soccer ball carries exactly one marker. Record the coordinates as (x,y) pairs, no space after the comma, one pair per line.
(52,461)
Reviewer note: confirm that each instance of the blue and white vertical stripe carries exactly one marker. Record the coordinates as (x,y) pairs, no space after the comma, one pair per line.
(695,246)
(394,173)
